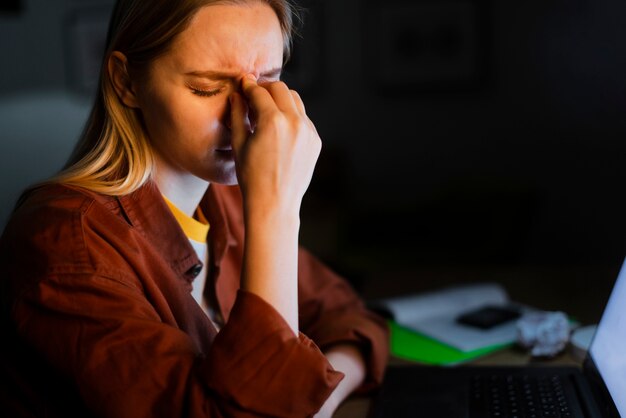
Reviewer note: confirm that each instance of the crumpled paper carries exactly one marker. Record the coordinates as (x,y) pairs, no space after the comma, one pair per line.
(545,333)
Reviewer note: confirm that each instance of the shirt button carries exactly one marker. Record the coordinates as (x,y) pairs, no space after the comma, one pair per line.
(195,270)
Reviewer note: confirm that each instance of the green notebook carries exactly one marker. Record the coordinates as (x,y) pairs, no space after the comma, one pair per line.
(411,345)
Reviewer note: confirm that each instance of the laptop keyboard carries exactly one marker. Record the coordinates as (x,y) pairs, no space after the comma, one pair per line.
(518,396)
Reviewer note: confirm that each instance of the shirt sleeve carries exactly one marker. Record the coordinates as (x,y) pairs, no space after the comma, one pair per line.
(332,313)
(270,361)
(125,362)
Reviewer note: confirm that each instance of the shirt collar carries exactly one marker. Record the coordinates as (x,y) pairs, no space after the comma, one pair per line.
(149,214)
(194,229)
(221,234)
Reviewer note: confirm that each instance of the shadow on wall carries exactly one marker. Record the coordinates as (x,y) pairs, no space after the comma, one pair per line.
(37,136)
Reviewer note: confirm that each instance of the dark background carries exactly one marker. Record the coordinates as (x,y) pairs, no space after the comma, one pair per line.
(464,140)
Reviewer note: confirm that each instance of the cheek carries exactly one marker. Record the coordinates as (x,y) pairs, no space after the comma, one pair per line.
(205,117)
(188,119)
(160,116)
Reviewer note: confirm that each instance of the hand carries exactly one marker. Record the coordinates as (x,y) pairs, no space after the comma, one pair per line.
(348,360)
(329,408)
(275,161)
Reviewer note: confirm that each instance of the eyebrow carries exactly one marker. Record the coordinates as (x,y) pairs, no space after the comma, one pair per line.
(225,75)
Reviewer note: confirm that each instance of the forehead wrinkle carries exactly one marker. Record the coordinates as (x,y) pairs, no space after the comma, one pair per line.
(200,48)
(221,60)
(227,55)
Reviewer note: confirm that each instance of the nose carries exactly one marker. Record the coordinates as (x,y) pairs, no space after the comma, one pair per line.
(249,118)
(227,115)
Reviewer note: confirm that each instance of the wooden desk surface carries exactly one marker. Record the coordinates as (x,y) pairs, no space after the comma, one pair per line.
(358,407)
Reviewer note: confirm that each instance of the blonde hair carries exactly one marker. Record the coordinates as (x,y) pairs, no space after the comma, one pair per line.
(114,155)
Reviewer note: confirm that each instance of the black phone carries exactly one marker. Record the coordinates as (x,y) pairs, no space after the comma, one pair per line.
(487,317)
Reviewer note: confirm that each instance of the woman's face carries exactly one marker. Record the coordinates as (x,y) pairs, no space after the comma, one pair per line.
(184,98)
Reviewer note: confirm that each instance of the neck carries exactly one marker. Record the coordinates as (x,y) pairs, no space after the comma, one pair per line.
(182,189)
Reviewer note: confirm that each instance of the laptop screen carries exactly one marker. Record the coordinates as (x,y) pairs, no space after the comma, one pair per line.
(608,349)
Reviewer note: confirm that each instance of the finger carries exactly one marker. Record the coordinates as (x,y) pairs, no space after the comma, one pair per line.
(282,96)
(298,101)
(300,106)
(259,99)
(313,127)
(238,122)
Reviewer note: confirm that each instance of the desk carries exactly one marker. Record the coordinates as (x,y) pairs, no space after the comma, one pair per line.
(358,407)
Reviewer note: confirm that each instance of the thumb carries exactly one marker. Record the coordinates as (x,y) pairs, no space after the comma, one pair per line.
(238,122)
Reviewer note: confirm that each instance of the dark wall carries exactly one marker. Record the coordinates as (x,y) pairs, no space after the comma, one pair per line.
(50,51)
(457,134)
(520,162)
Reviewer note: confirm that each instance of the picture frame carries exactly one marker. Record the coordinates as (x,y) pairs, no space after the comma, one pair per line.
(427,46)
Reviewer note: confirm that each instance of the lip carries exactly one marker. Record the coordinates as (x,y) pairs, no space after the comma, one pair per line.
(224,148)
(225,153)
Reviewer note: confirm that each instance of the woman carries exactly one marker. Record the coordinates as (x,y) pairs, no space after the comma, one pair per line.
(138,282)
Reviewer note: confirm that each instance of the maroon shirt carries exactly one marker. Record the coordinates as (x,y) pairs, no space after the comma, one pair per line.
(100,320)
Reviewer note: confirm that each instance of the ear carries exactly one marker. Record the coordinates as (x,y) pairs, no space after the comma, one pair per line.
(120,79)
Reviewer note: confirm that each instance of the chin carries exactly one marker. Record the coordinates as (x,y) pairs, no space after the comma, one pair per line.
(225,177)
(229,182)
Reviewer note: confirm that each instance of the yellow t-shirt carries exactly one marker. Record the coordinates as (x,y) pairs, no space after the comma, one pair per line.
(196,229)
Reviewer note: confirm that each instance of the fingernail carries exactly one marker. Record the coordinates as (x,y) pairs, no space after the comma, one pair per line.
(251,77)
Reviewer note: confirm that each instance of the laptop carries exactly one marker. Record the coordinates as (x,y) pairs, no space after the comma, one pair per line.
(598,389)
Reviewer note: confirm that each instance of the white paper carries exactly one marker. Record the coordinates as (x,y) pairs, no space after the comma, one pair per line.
(434,314)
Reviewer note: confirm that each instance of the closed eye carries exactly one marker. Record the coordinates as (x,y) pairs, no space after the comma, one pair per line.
(205,93)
